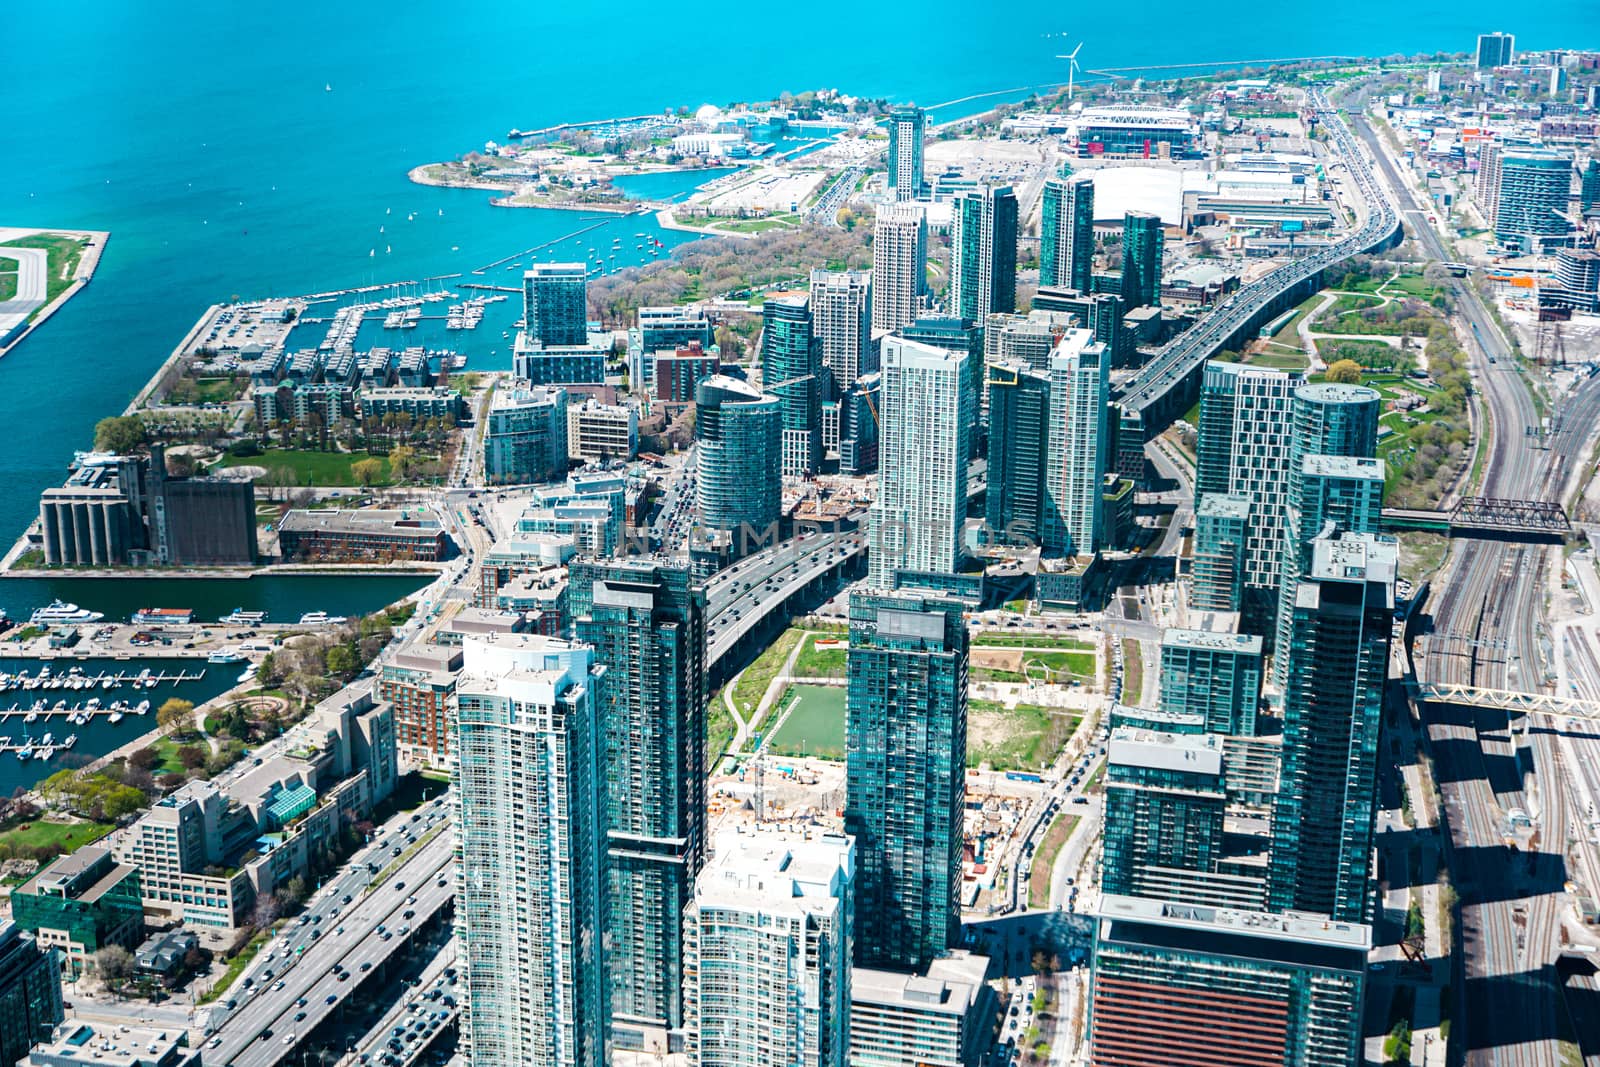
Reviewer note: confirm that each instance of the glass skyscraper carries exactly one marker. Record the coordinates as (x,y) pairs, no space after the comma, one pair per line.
(555,303)
(529,809)
(525,437)
(1142,243)
(899,265)
(1215,677)
(983,252)
(905,774)
(841,324)
(1066,233)
(906,126)
(1338,659)
(738,452)
(792,372)
(646,621)
(30,992)
(1019,435)
(1075,467)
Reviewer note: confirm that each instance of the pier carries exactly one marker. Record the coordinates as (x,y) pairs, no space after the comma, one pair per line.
(78,679)
(540,247)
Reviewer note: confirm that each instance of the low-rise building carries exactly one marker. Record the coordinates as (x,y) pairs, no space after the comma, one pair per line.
(432,402)
(538,364)
(163,954)
(77,1043)
(79,904)
(376,535)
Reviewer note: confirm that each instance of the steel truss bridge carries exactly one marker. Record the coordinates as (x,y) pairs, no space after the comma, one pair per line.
(1474,696)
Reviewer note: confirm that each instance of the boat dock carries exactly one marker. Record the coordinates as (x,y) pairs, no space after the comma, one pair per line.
(80,680)
(78,715)
(491,288)
(30,749)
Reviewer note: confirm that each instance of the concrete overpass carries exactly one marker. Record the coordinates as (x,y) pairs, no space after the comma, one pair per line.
(1169,384)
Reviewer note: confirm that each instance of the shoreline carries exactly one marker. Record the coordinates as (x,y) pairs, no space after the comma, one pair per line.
(87,262)
(268,570)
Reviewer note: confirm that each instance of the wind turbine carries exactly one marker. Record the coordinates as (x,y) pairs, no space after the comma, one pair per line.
(1072,66)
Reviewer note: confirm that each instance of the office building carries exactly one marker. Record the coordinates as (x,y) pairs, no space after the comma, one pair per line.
(79,904)
(942,1016)
(528,800)
(1019,437)
(738,451)
(1249,988)
(983,252)
(376,536)
(767,945)
(1213,675)
(1066,233)
(915,522)
(1075,468)
(1244,442)
(1495,50)
(600,433)
(899,266)
(1338,656)
(663,330)
(792,372)
(30,992)
(906,125)
(905,774)
(555,303)
(841,324)
(525,436)
(647,624)
(1142,244)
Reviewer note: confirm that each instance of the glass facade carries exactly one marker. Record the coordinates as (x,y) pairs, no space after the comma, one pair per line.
(30,993)
(739,440)
(1066,233)
(983,252)
(555,303)
(1142,244)
(905,774)
(1214,676)
(1019,417)
(906,127)
(1075,467)
(792,371)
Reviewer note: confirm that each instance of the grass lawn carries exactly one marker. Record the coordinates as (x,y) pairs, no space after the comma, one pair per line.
(1044,858)
(814,662)
(43,832)
(8,286)
(167,749)
(1023,738)
(64,255)
(1276,359)
(755,225)
(207,390)
(8,265)
(310,468)
(753,683)
(816,725)
(1004,640)
(1132,672)
(1289,332)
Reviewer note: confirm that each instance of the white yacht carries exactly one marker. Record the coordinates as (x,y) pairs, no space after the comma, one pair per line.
(60,611)
(320,618)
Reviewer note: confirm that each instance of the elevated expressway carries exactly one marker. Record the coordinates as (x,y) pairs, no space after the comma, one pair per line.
(1169,383)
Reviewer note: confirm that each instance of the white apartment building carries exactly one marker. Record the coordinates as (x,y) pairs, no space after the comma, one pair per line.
(1075,467)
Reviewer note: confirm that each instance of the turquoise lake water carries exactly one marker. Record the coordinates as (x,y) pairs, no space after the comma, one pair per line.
(203,138)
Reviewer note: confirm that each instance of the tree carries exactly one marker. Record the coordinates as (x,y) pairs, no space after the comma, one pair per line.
(341,661)
(114,965)
(192,756)
(267,672)
(119,433)
(167,782)
(175,714)
(1345,372)
(400,459)
(266,911)
(367,471)
(180,465)
(143,759)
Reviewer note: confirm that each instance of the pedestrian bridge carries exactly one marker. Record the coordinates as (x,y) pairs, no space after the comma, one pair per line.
(1474,696)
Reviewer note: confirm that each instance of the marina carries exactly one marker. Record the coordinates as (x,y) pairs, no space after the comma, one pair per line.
(76,678)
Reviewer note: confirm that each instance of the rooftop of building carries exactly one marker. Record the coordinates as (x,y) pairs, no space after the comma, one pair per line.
(951,985)
(777,870)
(58,878)
(1224,506)
(1337,393)
(1290,928)
(1134,746)
(524,395)
(1343,466)
(1373,557)
(405,392)
(1212,639)
(104,1045)
(340,521)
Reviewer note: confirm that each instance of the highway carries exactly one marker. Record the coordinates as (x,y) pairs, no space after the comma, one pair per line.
(739,599)
(1486,618)
(270,1024)
(413,1021)
(1183,356)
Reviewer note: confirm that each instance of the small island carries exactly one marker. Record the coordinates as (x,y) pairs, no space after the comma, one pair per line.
(40,270)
